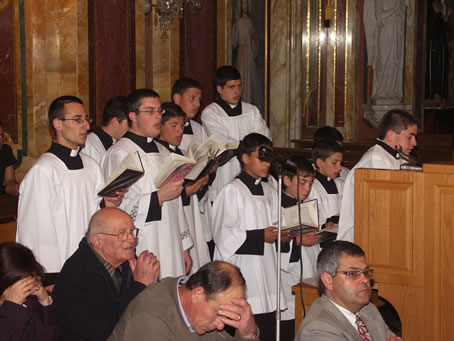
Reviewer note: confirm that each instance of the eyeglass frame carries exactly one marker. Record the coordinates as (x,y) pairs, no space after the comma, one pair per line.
(134,231)
(368,273)
(79,120)
(152,111)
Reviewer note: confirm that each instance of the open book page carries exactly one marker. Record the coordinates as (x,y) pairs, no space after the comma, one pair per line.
(332,229)
(199,166)
(128,172)
(173,169)
(308,214)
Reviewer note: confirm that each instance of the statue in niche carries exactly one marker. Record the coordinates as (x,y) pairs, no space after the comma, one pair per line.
(436,88)
(385,23)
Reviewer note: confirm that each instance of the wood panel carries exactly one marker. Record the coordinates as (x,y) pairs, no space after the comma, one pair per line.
(198,48)
(111,52)
(8,114)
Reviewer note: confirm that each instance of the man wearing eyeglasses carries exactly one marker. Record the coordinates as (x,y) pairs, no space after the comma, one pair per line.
(100,279)
(157,212)
(58,194)
(344,311)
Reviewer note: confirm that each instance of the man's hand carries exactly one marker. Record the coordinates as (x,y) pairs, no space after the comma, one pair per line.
(145,269)
(239,316)
(270,234)
(308,238)
(115,201)
(12,189)
(170,191)
(196,186)
(20,290)
(187,262)
(286,236)
(393,337)
(41,293)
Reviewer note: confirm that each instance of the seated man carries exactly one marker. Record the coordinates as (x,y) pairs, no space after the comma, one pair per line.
(197,308)
(344,312)
(99,280)
(8,182)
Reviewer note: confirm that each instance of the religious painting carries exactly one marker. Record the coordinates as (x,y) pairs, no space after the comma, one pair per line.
(250,23)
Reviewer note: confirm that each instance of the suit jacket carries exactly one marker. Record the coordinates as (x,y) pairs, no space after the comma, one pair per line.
(87,302)
(325,322)
(155,315)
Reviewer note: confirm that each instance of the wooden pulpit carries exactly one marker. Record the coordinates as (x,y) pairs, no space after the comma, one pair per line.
(404,221)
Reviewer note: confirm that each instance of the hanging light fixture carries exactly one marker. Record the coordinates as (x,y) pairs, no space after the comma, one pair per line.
(166,12)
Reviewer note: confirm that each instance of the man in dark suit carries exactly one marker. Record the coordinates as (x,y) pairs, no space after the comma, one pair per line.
(100,279)
(344,312)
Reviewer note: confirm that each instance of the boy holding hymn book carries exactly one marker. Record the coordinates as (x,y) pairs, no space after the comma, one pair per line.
(292,253)
(172,126)
(328,185)
(245,215)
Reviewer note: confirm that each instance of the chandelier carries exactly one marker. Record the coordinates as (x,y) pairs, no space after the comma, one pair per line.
(166,12)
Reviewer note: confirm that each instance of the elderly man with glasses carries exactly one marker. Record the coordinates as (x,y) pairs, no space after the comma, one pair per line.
(100,279)
(58,194)
(344,311)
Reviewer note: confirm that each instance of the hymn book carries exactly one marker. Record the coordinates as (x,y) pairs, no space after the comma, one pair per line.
(127,173)
(308,214)
(197,162)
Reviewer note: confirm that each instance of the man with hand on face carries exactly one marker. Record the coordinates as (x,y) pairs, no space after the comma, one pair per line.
(58,194)
(194,308)
(344,311)
(398,130)
(100,279)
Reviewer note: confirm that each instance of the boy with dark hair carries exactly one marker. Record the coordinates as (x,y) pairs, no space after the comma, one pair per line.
(58,194)
(230,120)
(245,214)
(328,186)
(398,130)
(187,94)
(172,126)
(292,253)
(113,126)
(328,133)
(157,212)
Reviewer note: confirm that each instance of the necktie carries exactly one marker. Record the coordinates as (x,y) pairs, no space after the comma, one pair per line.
(117,279)
(362,329)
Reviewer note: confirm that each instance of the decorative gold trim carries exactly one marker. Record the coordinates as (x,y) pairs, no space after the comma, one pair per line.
(308,55)
(346,59)
(319,64)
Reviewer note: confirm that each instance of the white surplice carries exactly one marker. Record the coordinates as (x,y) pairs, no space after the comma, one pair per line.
(236,211)
(55,207)
(229,129)
(94,147)
(168,237)
(376,157)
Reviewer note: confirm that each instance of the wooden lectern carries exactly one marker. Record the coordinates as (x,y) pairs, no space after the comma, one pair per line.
(404,221)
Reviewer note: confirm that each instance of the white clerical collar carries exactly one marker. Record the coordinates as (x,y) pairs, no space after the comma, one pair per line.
(347,313)
(187,123)
(74,152)
(149,139)
(172,147)
(257,181)
(233,106)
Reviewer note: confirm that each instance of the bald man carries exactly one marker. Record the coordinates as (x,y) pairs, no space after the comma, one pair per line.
(99,280)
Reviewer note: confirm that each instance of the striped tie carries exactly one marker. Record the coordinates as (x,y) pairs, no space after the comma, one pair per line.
(362,329)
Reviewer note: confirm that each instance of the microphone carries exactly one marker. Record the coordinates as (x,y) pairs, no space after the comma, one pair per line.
(267,153)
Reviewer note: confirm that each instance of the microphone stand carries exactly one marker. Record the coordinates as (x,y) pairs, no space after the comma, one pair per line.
(279,226)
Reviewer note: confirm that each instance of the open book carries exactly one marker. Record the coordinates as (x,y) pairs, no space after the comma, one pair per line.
(308,214)
(127,173)
(197,162)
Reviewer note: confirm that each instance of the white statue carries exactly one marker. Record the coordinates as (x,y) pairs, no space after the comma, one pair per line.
(385,27)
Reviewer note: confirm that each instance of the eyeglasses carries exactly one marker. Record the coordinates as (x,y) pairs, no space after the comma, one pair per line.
(153,111)
(79,120)
(356,274)
(123,235)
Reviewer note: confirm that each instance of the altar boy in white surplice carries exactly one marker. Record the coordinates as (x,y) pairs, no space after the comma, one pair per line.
(245,215)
